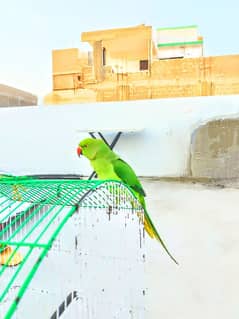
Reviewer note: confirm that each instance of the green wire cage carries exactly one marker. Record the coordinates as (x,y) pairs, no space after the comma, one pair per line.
(69,235)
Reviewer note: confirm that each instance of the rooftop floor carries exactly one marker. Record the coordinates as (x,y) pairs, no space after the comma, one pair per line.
(199,224)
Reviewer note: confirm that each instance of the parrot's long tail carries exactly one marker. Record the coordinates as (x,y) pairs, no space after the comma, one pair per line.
(152,231)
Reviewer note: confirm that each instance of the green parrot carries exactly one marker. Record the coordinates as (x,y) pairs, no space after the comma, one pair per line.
(109,165)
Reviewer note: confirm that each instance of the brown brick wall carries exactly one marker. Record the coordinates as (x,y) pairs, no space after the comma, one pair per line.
(218,75)
(180,69)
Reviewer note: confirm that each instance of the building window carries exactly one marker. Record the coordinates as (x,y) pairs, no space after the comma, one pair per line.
(104,56)
(143,65)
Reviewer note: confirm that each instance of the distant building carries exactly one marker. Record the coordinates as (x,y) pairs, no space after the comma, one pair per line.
(10,96)
(179,42)
(140,63)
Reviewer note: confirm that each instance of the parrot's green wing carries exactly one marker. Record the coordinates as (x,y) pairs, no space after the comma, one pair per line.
(127,175)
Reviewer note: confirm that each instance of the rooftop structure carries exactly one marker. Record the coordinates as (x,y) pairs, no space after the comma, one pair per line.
(179,42)
(137,63)
(123,50)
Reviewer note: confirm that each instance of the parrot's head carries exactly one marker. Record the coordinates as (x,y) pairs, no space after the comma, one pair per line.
(92,148)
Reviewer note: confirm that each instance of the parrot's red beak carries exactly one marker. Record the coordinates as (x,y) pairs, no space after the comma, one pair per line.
(79,151)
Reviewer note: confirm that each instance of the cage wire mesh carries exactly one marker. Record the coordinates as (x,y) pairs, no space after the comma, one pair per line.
(88,266)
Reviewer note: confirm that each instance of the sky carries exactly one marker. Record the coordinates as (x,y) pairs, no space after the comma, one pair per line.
(31,29)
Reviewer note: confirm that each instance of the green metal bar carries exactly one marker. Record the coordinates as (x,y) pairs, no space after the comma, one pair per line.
(2,203)
(40,220)
(178,28)
(51,181)
(16,220)
(18,229)
(36,266)
(14,233)
(22,244)
(8,226)
(83,183)
(18,217)
(176,44)
(27,256)
(64,194)
(14,209)
(9,205)
(11,281)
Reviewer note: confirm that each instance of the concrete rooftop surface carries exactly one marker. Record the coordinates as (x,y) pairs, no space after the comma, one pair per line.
(199,223)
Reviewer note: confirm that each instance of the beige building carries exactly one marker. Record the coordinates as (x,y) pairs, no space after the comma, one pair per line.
(10,96)
(139,63)
(126,50)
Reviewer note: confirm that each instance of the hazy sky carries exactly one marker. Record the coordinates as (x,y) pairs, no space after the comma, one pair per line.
(30,29)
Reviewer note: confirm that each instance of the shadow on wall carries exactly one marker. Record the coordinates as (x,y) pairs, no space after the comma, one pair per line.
(214,150)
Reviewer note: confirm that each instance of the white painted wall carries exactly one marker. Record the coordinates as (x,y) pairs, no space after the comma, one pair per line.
(180,51)
(177,35)
(43,140)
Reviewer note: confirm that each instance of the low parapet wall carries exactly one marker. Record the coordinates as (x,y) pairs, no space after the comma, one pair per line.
(174,131)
